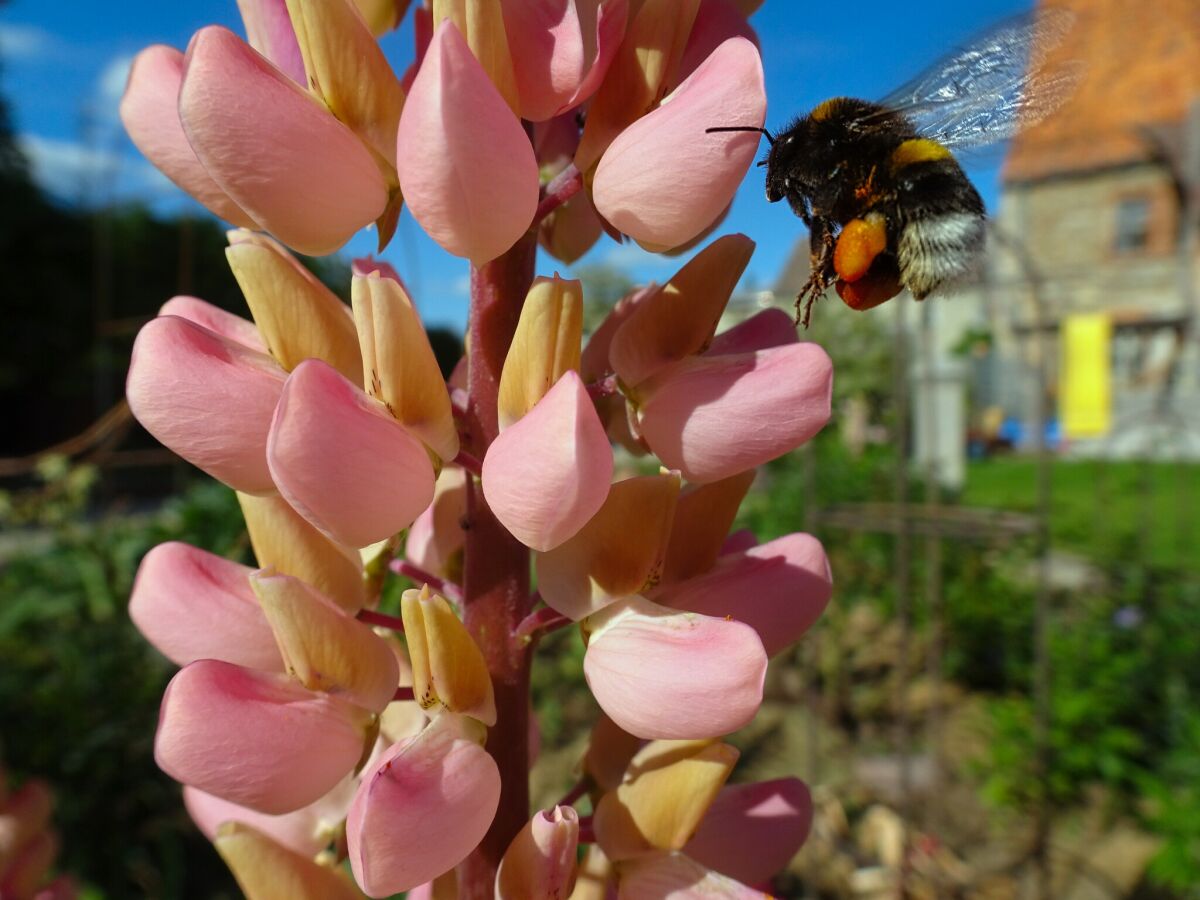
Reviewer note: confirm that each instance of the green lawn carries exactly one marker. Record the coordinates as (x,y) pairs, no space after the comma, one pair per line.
(1139,512)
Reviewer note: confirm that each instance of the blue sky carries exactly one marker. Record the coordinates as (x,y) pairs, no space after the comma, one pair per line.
(65,65)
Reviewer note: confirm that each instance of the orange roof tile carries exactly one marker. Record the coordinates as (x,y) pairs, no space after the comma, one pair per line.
(1142,61)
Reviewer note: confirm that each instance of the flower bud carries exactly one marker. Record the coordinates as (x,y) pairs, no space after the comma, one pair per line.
(449,670)
(191,604)
(545,346)
(466,166)
(256,739)
(540,861)
(150,114)
(180,374)
(343,462)
(423,808)
(324,185)
(298,317)
(545,476)
(399,366)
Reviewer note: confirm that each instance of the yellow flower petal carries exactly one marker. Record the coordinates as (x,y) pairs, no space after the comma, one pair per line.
(545,346)
(284,541)
(297,316)
(448,667)
(399,367)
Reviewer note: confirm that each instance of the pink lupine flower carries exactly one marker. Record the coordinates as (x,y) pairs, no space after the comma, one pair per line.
(423,807)
(150,114)
(667,155)
(342,461)
(659,673)
(269,31)
(470,179)
(751,831)
(191,604)
(256,739)
(560,447)
(324,183)
(180,373)
(779,588)
(305,831)
(712,416)
(561,50)
(300,716)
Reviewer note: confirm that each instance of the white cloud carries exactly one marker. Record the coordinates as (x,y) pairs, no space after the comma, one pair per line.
(76,171)
(110,85)
(24,42)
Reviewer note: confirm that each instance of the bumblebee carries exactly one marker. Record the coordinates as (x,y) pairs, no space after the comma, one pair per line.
(887,204)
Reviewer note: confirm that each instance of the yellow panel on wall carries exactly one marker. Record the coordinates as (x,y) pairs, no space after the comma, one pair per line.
(1085,395)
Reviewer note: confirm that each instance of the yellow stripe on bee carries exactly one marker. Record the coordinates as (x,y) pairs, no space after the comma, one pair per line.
(825,109)
(918,150)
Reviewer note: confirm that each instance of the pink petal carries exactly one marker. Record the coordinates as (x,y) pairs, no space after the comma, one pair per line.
(306,830)
(779,588)
(713,416)
(676,877)
(269,31)
(365,265)
(437,534)
(207,398)
(662,674)
(302,174)
(716,22)
(342,461)
(226,324)
(769,328)
(256,739)
(423,808)
(548,473)
(663,180)
(752,831)
(466,166)
(739,541)
(150,113)
(191,604)
(561,50)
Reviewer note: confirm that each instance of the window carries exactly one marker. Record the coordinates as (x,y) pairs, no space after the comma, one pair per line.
(1133,224)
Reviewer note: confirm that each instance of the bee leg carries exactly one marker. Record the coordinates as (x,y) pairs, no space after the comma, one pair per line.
(821,271)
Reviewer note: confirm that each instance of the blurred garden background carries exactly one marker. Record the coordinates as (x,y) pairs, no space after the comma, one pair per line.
(1003,699)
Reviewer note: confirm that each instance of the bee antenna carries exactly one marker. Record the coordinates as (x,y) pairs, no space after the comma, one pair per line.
(770,137)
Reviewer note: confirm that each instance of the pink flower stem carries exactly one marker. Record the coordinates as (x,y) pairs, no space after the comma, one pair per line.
(605,387)
(495,564)
(565,185)
(404,693)
(447,589)
(587,833)
(573,795)
(467,461)
(382,619)
(541,622)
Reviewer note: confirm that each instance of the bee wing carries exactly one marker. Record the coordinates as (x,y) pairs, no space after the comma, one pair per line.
(994,87)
